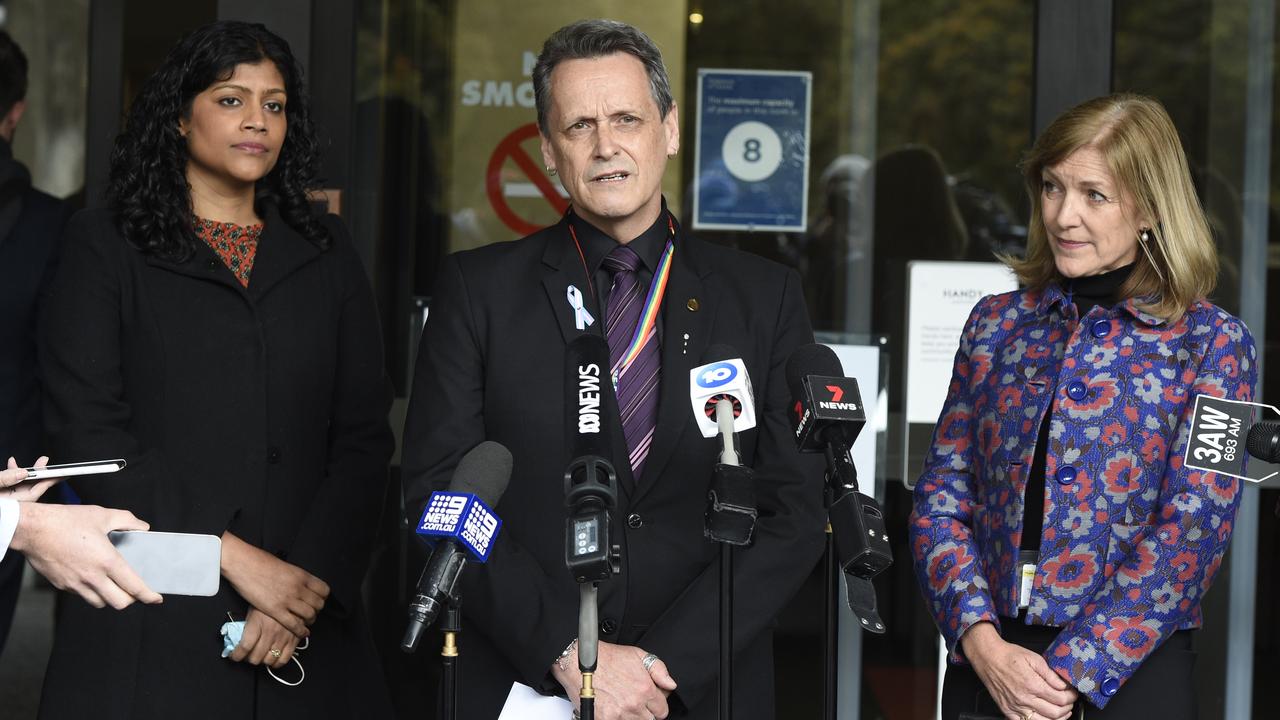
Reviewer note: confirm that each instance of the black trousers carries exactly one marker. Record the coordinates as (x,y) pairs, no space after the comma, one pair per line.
(1162,687)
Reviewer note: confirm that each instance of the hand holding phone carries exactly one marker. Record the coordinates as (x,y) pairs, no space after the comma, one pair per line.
(68,545)
(172,563)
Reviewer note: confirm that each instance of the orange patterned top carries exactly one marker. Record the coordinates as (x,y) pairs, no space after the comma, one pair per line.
(235,244)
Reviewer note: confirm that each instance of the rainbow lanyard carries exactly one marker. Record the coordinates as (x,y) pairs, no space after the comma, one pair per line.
(652,303)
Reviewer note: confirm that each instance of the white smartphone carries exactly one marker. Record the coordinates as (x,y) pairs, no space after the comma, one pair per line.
(172,563)
(97,467)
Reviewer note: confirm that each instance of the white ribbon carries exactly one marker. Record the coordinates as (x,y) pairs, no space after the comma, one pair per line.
(581,318)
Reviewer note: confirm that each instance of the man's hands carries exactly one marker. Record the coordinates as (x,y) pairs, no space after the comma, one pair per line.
(68,545)
(624,689)
(286,593)
(1018,679)
(12,485)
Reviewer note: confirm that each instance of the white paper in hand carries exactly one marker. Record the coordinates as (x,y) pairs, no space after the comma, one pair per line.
(524,703)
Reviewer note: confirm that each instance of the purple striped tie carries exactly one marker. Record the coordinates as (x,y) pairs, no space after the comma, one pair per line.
(637,383)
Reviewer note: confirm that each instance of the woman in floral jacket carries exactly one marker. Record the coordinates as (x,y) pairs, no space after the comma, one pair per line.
(1062,545)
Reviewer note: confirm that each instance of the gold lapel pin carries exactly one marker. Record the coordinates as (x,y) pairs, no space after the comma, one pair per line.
(693,305)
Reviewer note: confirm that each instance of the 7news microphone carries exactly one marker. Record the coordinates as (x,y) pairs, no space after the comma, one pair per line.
(463,521)
(829,414)
(720,393)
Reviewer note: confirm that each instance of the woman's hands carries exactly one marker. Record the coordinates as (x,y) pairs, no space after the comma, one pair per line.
(285,593)
(264,642)
(1018,679)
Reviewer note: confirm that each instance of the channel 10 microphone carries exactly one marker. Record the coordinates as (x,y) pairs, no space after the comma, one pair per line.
(828,415)
(720,394)
(590,481)
(1224,431)
(463,521)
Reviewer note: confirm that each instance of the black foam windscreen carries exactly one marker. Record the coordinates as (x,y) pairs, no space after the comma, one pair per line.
(1264,441)
(483,472)
(811,359)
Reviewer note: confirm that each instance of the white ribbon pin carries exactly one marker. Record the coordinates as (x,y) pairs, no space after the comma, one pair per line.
(581,318)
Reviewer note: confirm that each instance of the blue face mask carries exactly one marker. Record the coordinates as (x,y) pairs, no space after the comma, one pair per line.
(234,630)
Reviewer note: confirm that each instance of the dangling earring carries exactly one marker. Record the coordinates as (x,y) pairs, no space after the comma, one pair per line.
(1145,237)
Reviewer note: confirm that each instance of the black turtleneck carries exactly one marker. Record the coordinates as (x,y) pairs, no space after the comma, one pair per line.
(1085,293)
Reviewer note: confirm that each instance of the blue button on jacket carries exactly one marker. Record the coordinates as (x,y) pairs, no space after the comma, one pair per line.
(1130,546)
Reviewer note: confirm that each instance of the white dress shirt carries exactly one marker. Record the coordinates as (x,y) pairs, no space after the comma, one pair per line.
(8,523)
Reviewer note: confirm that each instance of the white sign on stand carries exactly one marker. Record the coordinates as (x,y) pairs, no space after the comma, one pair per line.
(940,296)
(862,363)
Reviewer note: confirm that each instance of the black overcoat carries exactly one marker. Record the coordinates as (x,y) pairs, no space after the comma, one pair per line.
(259,410)
(492,366)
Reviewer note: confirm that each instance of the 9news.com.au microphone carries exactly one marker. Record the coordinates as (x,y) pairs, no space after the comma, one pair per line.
(463,519)
(720,393)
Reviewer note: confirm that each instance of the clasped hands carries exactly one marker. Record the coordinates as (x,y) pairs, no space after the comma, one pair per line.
(624,689)
(284,601)
(1019,680)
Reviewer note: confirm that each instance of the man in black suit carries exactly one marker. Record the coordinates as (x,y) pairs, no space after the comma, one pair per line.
(492,366)
(30,224)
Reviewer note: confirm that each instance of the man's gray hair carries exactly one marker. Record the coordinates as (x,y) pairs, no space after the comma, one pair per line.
(588,39)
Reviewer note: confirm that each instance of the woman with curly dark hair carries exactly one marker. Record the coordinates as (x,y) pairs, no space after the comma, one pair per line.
(213,331)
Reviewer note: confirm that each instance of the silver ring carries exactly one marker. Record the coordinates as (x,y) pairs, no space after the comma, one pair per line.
(648,661)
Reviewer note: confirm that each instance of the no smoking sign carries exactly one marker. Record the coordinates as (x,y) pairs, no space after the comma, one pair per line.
(526,180)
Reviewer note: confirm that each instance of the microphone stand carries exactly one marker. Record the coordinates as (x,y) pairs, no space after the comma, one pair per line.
(588,646)
(724,421)
(591,557)
(831,593)
(451,626)
(841,477)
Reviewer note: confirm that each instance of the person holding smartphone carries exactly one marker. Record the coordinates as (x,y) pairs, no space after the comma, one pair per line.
(68,544)
(221,336)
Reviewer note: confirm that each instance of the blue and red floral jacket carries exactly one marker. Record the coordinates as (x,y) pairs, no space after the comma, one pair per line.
(1132,539)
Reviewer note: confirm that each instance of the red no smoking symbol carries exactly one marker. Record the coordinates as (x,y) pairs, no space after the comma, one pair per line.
(511,148)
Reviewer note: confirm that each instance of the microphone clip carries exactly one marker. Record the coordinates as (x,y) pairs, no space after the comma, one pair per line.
(731,505)
(590,486)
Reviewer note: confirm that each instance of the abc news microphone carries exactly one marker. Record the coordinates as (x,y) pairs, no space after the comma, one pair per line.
(590,494)
(463,520)
(590,480)
(829,414)
(720,393)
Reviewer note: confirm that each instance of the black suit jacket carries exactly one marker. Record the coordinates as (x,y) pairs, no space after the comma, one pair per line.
(492,366)
(30,224)
(259,410)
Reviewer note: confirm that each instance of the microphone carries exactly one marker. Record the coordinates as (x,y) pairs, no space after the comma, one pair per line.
(462,517)
(590,481)
(1263,441)
(828,415)
(1222,430)
(720,393)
